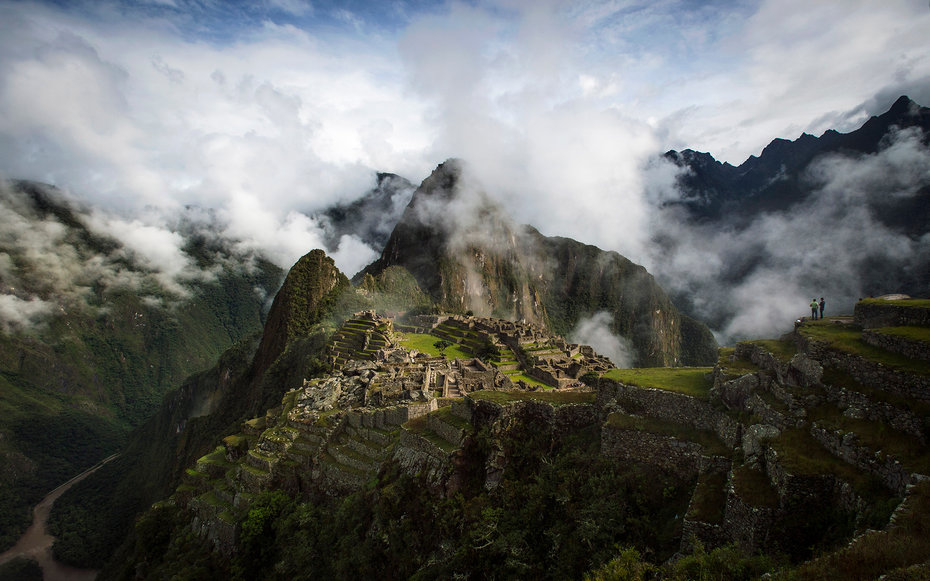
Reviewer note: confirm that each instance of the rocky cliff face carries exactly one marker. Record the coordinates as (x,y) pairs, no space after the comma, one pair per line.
(468,256)
(463,250)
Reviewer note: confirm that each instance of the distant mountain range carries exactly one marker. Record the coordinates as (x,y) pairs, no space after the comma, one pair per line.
(780,177)
(92,337)
(842,215)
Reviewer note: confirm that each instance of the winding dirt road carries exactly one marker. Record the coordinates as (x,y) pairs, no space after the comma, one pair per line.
(36,544)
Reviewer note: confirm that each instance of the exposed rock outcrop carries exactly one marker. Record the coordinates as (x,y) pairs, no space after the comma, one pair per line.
(468,256)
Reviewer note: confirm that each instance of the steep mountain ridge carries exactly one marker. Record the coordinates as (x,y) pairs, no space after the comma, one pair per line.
(468,256)
(776,180)
(248,379)
(460,249)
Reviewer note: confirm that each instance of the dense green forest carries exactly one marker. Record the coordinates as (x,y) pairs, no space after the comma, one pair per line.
(556,514)
(72,391)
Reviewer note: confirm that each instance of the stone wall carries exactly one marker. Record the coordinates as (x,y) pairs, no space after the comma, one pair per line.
(417,455)
(571,417)
(769,414)
(896,314)
(845,446)
(897,344)
(870,373)
(710,535)
(750,527)
(797,489)
(859,405)
(668,405)
(222,533)
(666,452)
(448,432)
(799,371)
(734,393)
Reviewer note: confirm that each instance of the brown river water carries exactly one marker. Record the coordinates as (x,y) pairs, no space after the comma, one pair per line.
(37,544)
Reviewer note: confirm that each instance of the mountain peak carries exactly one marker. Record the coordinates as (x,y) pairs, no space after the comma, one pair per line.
(310,285)
(903,105)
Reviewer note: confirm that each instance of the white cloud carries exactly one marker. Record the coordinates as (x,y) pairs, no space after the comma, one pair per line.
(19,314)
(595,331)
(283,121)
(755,281)
(559,108)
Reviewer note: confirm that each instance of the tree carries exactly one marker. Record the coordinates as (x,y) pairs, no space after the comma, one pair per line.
(590,378)
(442,345)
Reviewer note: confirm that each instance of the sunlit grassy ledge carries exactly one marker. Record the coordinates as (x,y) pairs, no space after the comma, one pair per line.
(693,381)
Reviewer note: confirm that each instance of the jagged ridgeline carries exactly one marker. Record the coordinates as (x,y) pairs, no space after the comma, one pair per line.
(401,463)
(91,337)
(467,255)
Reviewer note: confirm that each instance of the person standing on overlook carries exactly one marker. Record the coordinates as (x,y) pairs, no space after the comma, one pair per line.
(822,303)
(814,307)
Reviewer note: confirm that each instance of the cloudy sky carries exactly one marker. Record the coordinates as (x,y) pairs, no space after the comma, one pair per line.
(268,110)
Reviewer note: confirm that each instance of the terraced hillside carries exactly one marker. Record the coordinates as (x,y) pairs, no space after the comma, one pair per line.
(360,338)
(811,445)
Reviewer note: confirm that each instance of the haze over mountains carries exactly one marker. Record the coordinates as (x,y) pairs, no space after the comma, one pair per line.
(737,246)
(742,248)
(841,215)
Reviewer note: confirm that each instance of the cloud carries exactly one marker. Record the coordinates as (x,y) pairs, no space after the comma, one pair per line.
(277,126)
(270,112)
(595,331)
(57,255)
(153,247)
(18,314)
(755,280)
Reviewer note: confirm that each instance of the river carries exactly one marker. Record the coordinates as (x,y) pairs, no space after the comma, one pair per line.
(36,544)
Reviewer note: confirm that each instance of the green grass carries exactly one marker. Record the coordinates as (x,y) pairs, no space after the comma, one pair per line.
(708,440)
(217,456)
(710,497)
(877,436)
(919,303)
(835,377)
(737,367)
(879,553)
(848,339)
(801,455)
(921,334)
(420,427)
(446,415)
(528,380)
(424,344)
(693,381)
(784,350)
(552,397)
(327,459)
(754,487)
